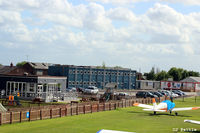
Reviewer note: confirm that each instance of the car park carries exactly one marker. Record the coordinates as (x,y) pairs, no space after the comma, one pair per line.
(145,94)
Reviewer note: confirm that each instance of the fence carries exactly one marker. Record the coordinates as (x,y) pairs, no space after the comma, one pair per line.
(66,110)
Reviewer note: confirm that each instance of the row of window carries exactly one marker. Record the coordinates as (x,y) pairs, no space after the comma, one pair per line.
(82,83)
(100,72)
(91,83)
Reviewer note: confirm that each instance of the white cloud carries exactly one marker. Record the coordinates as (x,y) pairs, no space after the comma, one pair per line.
(126,2)
(91,33)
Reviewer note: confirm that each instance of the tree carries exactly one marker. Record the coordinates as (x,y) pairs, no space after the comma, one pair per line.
(151,75)
(1,65)
(163,75)
(192,73)
(184,74)
(21,63)
(175,73)
(103,65)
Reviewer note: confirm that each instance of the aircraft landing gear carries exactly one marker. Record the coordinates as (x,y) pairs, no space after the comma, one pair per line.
(170,112)
(154,112)
(176,113)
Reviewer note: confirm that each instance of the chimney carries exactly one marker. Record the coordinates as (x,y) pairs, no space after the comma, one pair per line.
(11,64)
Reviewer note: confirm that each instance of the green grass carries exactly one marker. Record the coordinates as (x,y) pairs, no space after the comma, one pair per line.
(131,119)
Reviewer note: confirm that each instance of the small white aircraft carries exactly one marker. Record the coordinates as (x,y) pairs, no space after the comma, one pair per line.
(192,121)
(111,131)
(164,106)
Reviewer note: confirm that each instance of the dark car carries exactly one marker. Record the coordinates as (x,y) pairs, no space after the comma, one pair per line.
(157,94)
(80,89)
(144,94)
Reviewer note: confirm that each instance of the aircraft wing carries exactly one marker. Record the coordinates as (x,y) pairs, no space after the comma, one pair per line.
(112,131)
(192,121)
(183,109)
(155,110)
(143,105)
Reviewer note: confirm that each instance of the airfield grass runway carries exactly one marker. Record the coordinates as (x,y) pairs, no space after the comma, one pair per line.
(131,119)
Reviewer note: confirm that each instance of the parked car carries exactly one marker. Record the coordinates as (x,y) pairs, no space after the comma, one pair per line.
(123,94)
(181,92)
(144,94)
(157,93)
(71,89)
(80,89)
(91,90)
(163,93)
(177,92)
(171,93)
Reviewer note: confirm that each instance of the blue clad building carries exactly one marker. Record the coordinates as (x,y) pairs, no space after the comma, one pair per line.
(84,76)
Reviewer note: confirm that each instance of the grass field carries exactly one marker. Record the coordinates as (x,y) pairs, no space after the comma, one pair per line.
(131,119)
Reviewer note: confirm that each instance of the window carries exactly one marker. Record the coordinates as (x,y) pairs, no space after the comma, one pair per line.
(70,71)
(31,87)
(77,72)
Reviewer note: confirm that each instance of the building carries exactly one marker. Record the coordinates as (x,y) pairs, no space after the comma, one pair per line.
(33,68)
(29,68)
(191,84)
(29,87)
(147,84)
(6,70)
(83,76)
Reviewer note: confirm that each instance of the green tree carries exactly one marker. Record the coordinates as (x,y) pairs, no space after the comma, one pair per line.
(175,73)
(192,73)
(1,65)
(151,75)
(103,65)
(163,75)
(184,74)
(21,63)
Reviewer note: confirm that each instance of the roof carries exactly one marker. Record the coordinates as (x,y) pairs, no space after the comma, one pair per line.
(39,65)
(147,81)
(191,79)
(6,69)
(95,67)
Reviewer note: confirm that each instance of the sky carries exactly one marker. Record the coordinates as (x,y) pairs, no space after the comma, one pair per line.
(136,34)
